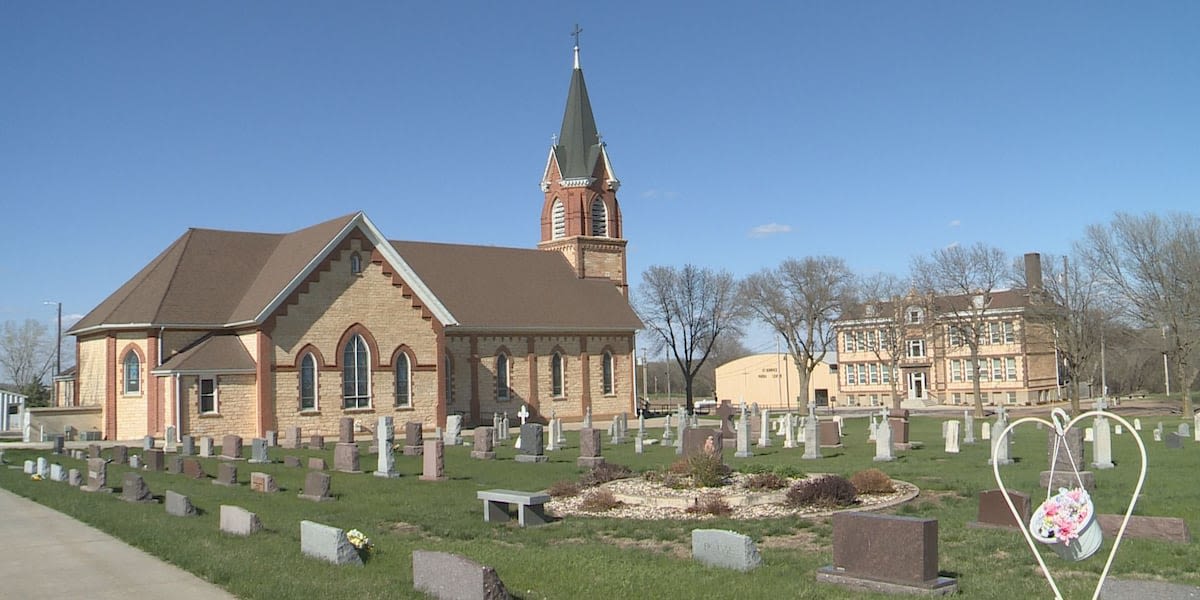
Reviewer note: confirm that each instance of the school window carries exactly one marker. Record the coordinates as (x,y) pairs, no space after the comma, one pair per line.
(956,370)
(914,316)
(403,381)
(1008,332)
(916,348)
(502,377)
(997,332)
(874,370)
(860,340)
(1012,397)
(957,397)
(871,341)
(208,395)
(133,373)
(887,373)
(955,336)
(356,374)
(308,382)
(607,374)
(982,368)
(1011,367)
(968,370)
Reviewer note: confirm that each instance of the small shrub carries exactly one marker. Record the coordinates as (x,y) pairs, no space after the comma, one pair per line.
(788,471)
(710,504)
(765,481)
(604,473)
(754,469)
(872,481)
(676,481)
(599,500)
(707,470)
(563,489)
(680,467)
(826,492)
(654,476)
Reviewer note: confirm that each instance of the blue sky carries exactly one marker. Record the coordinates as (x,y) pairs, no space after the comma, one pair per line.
(743,132)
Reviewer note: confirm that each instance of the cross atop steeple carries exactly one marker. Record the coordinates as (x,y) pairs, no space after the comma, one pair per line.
(575,34)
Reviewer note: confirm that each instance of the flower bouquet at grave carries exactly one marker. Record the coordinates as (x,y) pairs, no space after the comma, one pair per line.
(360,541)
(36,477)
(1067,523)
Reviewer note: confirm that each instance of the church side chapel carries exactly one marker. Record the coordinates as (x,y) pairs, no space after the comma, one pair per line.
(230,332)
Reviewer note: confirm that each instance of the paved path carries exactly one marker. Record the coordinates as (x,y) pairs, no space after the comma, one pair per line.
(50,555)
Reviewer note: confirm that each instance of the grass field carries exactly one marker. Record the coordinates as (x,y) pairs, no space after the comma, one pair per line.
(595,557)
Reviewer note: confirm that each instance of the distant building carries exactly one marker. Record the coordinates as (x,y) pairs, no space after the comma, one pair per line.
(771,380)
(1017,358)
(239,333)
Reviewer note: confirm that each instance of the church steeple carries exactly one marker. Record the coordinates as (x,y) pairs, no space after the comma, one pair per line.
(580,214)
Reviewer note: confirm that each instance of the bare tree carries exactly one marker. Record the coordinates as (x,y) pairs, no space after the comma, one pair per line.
(1155,264)
(884,301)
(1079,309)
(963,280)
(26,356)
(689,309)
(801,300)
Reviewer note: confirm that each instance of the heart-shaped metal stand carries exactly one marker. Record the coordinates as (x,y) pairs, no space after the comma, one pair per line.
(1061,424)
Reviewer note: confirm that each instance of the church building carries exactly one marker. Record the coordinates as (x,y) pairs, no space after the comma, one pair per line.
(239,333)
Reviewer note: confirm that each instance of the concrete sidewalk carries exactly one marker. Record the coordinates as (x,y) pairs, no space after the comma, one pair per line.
(50,555)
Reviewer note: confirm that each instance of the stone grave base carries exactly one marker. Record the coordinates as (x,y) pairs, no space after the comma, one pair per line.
(909,446)
(942,586)
(388,475)
(103,490)
(530,458)
(589,461)
(316,498)
(414,451)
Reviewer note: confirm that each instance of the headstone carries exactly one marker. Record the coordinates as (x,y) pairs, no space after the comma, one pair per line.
(147,442)
(1158,432)
(134,489)
(316,442)
(666,436)
(327,543)
(552,443)
(155,460)
(58,441)
(986,431)
(1089,434)
(317,464)
(258,451)
(1159,529)
(206,447)
(188,446)
(883,442)
(43,467)
(789,439)
(120,455)
(681,425)
(226,474)
(811,450)
(57,473)
(764,433)
(561,440)
(698,441)
(175,465)
(994,512)
(97,476)
(446,576)
(951,437)
(169,441)
(1000,445)
(30,467)
(93,451)
(453,435)
(272,439)
(725,413)
(587,418)
(1183,431)
(725,549)
(1118,430)
(135,461)
(614,431)
(193,469)
(1137,424)
(413,438)
(743,442)
(74,478)
(346,430)
(1196,427)
(969,420)
(1071,458)
(434,461)
(231,447)
(263,482)
(179,505)
(1174,441)
(293,439)
(531,445)
(484,448)
(239,521)
(639,444)
(831,434)
(886,553)
(898,419)
(1101,444)
(505,427)
(316,487)
(385,435)
(589,448)
(291,461)
(345,458)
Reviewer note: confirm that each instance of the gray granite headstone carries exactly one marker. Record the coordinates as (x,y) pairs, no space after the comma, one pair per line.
(272,439)
(155,460)
(346,430)
(97,477)
(414,440)
(532,447)
(175,465)
(328,544)
(316,442)
(385,435)
(316,487)
(93,451)
(169,441)
(206,447)
(589,448)
(231,447)
(258,451)
(179,505)
(120,455)
(57,473)
(453,435)
(728,549)
(1174,440)
(446,576)
(291,461)
(134,489)
(135,461)
(292,441)
(43,467)
(74,478)
(345,458)
(147,442)
(58,441)
(188,446)
(226,474)
(239,521)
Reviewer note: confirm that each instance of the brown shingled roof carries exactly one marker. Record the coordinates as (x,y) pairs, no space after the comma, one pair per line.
(217,353)
(512,288)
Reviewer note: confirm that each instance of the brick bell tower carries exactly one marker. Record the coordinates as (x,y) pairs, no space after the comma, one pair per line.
(580,215)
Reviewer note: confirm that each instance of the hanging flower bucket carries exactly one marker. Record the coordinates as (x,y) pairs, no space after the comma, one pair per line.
(1067,523)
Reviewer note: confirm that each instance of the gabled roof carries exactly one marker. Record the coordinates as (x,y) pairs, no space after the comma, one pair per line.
(212,354)
(487,287)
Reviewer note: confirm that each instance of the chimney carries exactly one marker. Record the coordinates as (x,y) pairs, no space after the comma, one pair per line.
(1033,271)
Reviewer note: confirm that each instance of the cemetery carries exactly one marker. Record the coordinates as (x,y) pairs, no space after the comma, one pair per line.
(690,508)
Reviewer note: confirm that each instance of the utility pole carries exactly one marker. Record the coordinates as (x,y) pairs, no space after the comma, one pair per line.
(57,339)
(1166,371)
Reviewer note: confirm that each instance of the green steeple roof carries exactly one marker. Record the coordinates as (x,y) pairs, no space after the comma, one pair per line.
(578,145)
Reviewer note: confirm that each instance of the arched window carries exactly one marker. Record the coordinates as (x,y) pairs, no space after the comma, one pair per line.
(403,389)
(558,213)
(502,376)
(557,384)
(448,375)
(607,370)
(599,218)
(308,382)
(356,374)
(355,264)
(133,373)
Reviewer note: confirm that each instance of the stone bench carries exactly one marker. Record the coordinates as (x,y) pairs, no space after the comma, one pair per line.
(530,505)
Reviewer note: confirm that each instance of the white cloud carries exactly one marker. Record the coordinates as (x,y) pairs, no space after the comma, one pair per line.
(954,223)
(769,229)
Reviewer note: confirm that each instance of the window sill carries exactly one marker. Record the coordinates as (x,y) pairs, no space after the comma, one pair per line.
(211,415)
(358,411)
(610,395)
(406,408)
(309,413)
(131,394)
(558,399)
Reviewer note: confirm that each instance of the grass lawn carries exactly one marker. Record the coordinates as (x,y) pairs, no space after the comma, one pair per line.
(580,557)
